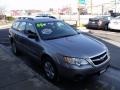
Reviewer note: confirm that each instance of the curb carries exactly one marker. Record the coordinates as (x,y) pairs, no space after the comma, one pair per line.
(116,68)
(5,26)
(83,29)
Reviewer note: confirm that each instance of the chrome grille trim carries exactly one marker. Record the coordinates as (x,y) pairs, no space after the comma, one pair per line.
(99,59)
(102,62)
(97,54)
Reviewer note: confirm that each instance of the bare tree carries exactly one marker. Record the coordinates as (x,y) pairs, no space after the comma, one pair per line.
(2,14)
(2,10)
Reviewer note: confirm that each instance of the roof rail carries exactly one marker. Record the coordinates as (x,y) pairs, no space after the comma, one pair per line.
(29,18)
(46,16)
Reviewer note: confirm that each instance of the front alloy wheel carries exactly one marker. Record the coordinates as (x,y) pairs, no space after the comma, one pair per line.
(49,70)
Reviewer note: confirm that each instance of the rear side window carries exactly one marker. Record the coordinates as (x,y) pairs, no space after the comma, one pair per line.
(15,25)
(118,17)
(22,26)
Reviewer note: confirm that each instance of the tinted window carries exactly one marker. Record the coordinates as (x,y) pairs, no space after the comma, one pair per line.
(118,17)
(30,27)
(22,25)
(15,25)
(107,17)
(99,17)
(56,29)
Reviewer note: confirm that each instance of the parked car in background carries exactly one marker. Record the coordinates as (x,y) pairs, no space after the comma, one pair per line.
(114,23)
(99,22)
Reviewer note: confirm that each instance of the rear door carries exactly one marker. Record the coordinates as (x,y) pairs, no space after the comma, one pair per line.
(14,30)
(17,33)
(19,36)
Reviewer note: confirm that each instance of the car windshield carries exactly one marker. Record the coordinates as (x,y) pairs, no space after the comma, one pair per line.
(104,17)
(54,30)
(118,17)
(98,17)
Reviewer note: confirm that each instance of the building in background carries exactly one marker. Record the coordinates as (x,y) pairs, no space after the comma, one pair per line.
(103,7)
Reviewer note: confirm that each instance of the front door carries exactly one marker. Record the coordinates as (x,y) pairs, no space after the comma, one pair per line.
(32,44)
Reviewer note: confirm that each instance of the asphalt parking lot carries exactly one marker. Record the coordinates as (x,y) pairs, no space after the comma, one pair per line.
(108,81)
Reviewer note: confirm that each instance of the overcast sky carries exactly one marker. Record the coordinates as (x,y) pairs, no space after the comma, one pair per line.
(42,4)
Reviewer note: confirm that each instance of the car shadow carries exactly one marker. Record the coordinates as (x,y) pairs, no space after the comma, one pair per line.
(109,30)
(118,31)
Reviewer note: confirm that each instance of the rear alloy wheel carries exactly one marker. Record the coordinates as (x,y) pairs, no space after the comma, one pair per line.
(14,48)
(50,70)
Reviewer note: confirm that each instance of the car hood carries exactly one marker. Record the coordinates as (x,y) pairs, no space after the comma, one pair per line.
(77,46)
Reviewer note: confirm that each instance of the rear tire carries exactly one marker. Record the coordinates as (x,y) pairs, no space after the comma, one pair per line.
(14,48)
(106,27)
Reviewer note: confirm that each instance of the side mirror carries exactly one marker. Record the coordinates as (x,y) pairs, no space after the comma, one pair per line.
(32,35)
(78,31)
(73,26)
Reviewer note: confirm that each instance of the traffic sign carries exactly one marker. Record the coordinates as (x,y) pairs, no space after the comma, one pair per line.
(82,1)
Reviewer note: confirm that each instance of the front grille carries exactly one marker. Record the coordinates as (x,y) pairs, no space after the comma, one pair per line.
(100,58)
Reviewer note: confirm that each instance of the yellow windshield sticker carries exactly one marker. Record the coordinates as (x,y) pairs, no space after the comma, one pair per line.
(40,25)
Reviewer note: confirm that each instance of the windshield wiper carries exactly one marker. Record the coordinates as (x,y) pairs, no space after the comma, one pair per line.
(52,38)
(68,35)
(60,37)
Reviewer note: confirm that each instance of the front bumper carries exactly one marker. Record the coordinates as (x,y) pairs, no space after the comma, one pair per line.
(74,72)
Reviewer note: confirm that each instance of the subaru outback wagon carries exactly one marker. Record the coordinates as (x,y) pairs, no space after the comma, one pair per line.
(60,49)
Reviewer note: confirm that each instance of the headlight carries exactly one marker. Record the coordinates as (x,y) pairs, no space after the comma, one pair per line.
(108,53)
(76,61)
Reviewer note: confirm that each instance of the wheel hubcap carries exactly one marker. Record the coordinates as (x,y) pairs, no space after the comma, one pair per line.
(49,70)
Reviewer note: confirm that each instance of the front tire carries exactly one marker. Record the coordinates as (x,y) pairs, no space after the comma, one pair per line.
(50,70)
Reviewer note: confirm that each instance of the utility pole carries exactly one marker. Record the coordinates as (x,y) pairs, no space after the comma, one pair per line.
(115,5)
(78,24)
(80,3)
(70,10)
(102,9)
(91,6)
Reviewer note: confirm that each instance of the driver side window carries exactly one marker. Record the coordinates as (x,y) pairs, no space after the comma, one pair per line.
(29,28)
